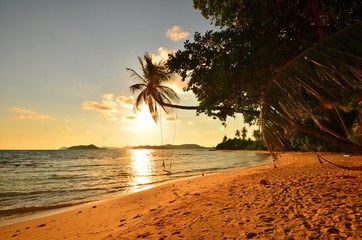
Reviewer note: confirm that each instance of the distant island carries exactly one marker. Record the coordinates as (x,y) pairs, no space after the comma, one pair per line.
(169,146)
(84,147)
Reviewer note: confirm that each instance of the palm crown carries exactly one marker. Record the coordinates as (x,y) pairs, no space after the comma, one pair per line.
(151,84)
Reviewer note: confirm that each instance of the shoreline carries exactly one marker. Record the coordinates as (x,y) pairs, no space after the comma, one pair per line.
(10,220)
(303,199)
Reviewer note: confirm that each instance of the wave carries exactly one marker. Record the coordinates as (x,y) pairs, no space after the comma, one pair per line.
(58,191)
(24,210)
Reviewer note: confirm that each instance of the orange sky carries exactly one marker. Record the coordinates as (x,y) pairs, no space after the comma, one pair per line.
(63,77)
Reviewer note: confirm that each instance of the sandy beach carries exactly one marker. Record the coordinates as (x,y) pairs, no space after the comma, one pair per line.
(303,199)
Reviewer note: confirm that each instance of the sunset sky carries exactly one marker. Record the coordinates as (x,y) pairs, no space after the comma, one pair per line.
(63,77)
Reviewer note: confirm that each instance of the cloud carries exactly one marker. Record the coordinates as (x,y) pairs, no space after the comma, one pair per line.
(96,106)
(19,116)
(107,105)
(108,98)
(39,117)
(29,114)
(110,106)
(20,110)
(170,119)
(162,54)
(176,34)
(129,118)
(127,101)
(64,129)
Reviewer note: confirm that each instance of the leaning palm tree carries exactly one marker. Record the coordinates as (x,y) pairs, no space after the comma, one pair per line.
(151,84)
(155,94)
(323,81)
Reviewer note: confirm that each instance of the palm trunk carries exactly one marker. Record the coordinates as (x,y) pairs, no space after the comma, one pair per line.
(225,109)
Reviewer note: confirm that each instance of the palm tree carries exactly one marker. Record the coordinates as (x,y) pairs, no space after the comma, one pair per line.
(237,134)
(257,135)
(244,133)
(153,91)
(321,83)
(150,83)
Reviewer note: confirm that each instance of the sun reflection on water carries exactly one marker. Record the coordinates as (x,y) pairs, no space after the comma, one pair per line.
(141,166)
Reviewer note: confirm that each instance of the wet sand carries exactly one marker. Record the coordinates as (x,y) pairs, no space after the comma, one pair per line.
(303,199)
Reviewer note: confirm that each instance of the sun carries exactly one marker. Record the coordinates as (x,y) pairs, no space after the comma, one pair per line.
(144,117)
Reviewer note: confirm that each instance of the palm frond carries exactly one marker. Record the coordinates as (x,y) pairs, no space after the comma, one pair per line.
(143,66)
(168,92)
(326,72)
(136,76)
(141,98)
(137,87)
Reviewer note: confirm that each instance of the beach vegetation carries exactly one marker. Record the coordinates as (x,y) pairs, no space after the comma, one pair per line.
(238,143)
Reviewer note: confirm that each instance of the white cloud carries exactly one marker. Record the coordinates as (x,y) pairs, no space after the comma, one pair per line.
(162,54)
(176,34)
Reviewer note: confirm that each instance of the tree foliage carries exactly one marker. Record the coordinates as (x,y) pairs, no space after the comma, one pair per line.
(238,143)
(255,40)
(233,67)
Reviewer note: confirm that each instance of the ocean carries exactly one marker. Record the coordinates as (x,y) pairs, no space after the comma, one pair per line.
(39,180)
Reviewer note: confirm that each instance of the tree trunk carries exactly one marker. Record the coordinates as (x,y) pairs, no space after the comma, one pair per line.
(317,19)
(225,109)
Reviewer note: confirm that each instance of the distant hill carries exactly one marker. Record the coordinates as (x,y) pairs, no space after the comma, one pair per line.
(84,147)
(169,146)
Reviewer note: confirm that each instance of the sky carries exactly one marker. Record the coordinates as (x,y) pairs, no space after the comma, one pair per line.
(63,78)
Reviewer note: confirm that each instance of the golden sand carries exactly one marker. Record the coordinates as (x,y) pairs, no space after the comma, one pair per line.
(303,199)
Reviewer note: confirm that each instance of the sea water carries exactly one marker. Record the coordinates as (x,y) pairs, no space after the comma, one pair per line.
(33,180)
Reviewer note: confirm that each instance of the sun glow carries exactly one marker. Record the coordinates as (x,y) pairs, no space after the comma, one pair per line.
(144,117)
(141,166)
